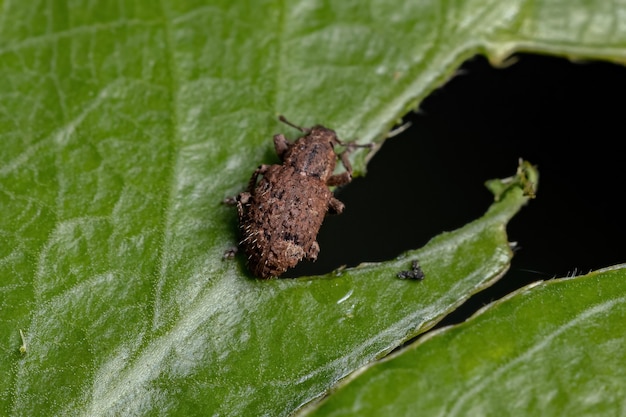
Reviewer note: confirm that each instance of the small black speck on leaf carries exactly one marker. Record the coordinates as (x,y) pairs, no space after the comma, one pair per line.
(415,273)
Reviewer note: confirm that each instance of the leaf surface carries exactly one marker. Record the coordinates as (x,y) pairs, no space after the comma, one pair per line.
(123,126)
(551,349)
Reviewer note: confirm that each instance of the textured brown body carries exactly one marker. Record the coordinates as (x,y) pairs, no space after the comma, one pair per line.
(281,213)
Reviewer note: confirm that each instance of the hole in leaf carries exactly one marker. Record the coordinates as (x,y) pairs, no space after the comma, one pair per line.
(554,113)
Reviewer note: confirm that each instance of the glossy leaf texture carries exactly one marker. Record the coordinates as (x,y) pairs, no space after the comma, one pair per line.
(123,125)
(550,349)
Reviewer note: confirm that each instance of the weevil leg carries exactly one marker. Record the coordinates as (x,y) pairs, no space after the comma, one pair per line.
(339,179)
(350,146)
(335,206)
(242,200)
(261,170)
(345,161)
(313,252)
(231,252)
(281,144)
(344,177)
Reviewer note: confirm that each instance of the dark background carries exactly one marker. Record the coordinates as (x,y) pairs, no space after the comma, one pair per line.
(566,118)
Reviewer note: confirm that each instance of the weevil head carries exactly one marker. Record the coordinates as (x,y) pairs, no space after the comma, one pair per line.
(314,154)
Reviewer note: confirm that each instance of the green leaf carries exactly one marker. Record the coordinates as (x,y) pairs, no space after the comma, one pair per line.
(123,126)
(550,349)
(241,340)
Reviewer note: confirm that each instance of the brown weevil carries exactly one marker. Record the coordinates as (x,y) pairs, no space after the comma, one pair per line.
(283,208)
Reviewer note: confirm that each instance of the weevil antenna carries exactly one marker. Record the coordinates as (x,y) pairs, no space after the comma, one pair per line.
(288,123)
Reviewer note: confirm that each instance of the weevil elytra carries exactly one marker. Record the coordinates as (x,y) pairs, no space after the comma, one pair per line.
(283,208)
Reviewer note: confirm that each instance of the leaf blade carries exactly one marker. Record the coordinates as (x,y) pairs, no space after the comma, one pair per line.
(124,125)
(551,347)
